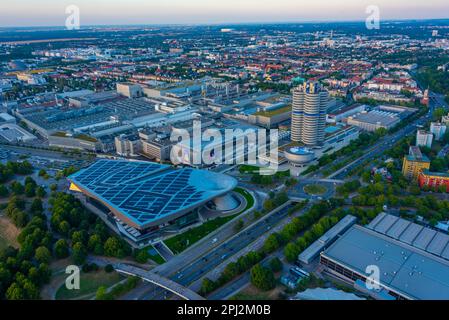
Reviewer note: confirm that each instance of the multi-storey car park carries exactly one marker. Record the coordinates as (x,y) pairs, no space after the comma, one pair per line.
(143,200)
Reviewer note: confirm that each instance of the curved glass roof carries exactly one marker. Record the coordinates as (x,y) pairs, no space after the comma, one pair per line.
(146,192)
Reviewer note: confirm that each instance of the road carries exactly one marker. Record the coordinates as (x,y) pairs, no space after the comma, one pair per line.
(235,286)
(196,270)
(382,145)
(298,190)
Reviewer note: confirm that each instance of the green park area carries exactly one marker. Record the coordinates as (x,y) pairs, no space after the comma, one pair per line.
(89,284)
(181,242)
(315,189)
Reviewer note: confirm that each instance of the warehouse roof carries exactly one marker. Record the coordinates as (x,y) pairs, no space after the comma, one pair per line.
(405,269)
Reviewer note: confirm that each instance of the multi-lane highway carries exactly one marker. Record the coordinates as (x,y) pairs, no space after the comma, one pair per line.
(196,270)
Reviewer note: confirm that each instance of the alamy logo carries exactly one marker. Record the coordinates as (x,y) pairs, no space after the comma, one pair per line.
(72,282)
(73,20)
(373,280)
(229,146)
(373,20)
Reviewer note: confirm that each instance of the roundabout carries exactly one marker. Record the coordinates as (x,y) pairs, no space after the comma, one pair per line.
(315,189)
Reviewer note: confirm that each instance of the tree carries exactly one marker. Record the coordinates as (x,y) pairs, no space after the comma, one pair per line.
(262,278)
(61,249)
(95,244)
(43,255)
(239,225)
(79,253)
(15,292)
(108,268)
(30,190)
(207,286)
(17,188)
(113,247)
(36,206)
(79,236)
(3,191)
(64,228)
(40,192)
(291,252)
(141,256)
(276,265)
(102,294)
(272,243)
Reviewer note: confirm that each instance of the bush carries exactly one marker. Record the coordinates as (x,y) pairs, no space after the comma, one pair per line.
(276,265)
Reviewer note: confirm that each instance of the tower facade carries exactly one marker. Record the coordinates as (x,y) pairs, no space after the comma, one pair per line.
(310,103)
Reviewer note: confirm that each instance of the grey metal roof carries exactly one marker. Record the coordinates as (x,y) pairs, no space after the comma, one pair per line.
(398,228)
(376,220)
(445,253)
(438,244)
(385,224)
(410,234)
(413,234)
(424,238)
(409,271)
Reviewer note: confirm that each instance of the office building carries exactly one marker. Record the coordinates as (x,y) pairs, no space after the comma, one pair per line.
(128,145)
(130,90)
(310,103)
(414,163)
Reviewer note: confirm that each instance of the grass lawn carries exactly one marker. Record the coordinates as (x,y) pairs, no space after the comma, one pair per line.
(181,242)
(251,293)
(315,189)
(8,234)
(248,169)
(249,198)
(155,256)
(89,284)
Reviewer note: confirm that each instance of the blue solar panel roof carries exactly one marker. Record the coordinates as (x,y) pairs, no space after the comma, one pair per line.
(146,192)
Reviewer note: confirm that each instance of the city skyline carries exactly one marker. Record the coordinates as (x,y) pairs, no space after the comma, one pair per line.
(99,12)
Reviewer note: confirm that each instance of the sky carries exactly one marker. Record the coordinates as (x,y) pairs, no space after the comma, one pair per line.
(100,12)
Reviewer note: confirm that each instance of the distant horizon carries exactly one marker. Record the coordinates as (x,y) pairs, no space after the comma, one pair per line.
(224,24)
(52,13)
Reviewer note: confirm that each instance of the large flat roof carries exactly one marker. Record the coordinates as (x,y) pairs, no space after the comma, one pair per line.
(405,269)
(146,194)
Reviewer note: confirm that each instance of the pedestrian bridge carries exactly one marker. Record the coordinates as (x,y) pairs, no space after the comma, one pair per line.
(162,282)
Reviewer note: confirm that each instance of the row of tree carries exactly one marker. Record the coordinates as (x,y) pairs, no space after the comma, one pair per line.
(273,243)
(82,232)
(8,170)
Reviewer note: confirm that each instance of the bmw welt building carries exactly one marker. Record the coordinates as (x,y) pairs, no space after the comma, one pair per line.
(145,200)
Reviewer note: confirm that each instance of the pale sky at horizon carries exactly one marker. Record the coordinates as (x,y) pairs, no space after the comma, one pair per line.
(52,12)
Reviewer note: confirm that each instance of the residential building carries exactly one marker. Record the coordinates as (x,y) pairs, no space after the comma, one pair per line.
(434,180)
(414,164)
(438,130)
(424,139)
